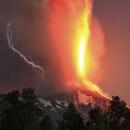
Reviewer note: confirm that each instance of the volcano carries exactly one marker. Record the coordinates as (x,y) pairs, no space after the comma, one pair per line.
(77,41)
(85,101)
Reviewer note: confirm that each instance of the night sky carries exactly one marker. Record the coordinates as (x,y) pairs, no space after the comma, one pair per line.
(29,20)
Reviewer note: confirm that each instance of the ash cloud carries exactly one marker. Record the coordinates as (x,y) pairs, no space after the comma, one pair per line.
(29,21)
(31,36)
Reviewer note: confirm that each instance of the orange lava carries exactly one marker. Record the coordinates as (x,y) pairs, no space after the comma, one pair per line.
(82,58)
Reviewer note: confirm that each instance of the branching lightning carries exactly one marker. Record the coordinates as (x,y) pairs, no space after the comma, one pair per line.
(11,46)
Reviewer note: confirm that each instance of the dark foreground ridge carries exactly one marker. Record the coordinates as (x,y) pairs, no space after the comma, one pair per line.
(23,110)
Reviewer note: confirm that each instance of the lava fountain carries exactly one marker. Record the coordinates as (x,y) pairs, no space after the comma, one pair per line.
(81,48)
(73,30)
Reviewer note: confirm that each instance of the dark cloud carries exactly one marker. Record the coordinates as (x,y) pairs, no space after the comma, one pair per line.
(30,34)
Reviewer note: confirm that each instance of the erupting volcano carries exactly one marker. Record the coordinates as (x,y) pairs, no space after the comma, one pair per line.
(79,45)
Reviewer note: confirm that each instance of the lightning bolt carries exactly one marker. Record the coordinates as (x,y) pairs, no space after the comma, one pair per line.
(12,47)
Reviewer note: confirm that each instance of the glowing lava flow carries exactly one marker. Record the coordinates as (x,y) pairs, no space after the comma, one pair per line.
(81,49)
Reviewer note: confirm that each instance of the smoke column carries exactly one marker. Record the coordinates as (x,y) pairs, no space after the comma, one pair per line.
(78,42)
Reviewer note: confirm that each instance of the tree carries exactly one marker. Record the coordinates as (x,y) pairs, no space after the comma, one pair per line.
(72,119)
(30,109)
(23,111)
(117,113)
(96,120)
(126,124)
(46,124)
(10,116)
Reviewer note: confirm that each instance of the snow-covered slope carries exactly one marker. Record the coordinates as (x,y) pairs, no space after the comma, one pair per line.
(55,106)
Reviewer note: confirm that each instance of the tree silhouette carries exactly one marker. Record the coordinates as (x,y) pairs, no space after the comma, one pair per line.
(46,124)
(117,113)
(96,120)
(30,109)
(10,117)
(72,119)
(23,111)
(127,121)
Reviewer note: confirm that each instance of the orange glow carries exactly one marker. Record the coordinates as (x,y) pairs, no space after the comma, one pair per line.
(95,88)
(77,42)
(82,56)
(81,40)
